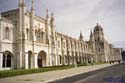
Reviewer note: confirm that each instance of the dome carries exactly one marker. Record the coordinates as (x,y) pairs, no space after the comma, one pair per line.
(98,28)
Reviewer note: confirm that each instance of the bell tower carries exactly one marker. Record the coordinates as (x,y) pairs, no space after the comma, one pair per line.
(98,32)
(99,43)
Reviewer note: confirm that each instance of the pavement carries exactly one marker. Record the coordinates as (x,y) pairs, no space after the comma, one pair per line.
(52,75)
(112,74)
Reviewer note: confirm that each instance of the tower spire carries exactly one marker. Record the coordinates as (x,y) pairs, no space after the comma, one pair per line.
(47,16)
(97,23)
(91,36)
(81,36)
(52,20)
(22,3)
(32,7)
(91,33)
(52,17)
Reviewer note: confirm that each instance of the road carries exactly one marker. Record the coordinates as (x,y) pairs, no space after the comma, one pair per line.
(113,74)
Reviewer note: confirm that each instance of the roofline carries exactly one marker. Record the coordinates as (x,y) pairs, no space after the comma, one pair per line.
(10,10)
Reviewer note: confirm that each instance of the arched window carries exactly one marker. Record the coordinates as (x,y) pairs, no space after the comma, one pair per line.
(28,34)
(98,38)
(60,58)
(7,60)
(4,59)
(64,44)
(42,37)
(58,44)
(7,33)
(38,36)
(69,46)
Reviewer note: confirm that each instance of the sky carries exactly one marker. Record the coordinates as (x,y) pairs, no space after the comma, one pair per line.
(71,16)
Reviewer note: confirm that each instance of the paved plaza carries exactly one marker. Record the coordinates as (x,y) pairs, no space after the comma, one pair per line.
(51,75)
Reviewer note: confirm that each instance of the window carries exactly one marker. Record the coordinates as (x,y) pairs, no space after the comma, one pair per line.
(64,44)
(60,57)
(6,60)
(72,46)
(38,37)
(28,34)
(7,33)
(99,50)
(58,44)
(42,37)
(102,45)
(69,46)
(95,40)
(66,58)
(98,39)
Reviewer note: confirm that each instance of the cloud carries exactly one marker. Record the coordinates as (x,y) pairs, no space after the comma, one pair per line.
(110,14)
(71,16)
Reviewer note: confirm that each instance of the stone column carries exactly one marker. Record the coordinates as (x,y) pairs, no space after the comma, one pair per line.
(35,60)
(48,60)
(85,58)
(26,61)
(1,60)
(64,57)
(82,58)
(56,59)
(68,60)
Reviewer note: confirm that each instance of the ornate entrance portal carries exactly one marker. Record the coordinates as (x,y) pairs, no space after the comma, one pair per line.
(41,59)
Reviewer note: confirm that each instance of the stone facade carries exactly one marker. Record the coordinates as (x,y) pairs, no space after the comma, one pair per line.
(117,52)
(30,41)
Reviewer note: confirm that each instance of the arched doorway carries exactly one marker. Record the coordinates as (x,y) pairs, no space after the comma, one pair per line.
(29,59)
(7,59)
(41,59)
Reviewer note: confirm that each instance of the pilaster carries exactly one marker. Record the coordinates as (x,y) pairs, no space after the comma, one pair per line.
(26,61)
(35,60)
(1,60)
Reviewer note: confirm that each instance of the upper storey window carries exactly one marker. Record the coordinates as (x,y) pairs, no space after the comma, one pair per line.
(58,44)
(28,34)
(40,36)
(69,45)
(98,39)
(64,44)
(7,33)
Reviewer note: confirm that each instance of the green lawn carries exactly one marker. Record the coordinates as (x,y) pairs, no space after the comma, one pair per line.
(9,73)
